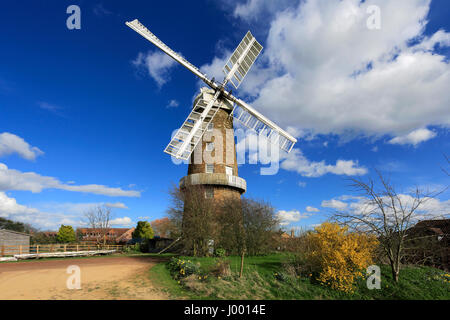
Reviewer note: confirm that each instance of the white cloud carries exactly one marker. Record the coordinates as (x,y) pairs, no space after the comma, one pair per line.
(173,104)
(10,209)
(49,107)
(414,138)
(252,9)
(9,206)
(51,215)
(287,217)
(214,69)
(73,209)
(125,221)
(100,10)
(332,75)
(432,208)
(157,64)
(302,184)
(117,205)
(296,161)
(11,179)
(312,209)
(10,143)
(334,204)
(250,143)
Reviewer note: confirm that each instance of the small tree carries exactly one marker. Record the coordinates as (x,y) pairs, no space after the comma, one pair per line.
(231,235)
(387,215)
(260,225)
(66,234)
(98,218)
(194,215)
(164,227)
(143,231)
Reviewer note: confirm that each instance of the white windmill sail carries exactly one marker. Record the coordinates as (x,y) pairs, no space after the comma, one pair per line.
(242,60)
(189,135)
(191,132)
(254,120)
(143,31)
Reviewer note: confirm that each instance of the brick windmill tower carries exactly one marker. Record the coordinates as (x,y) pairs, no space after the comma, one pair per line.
(213,163)
(209,127)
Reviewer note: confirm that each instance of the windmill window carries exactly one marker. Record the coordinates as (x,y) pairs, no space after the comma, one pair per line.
(210,126)
(210,146)
(209,193)
(229,171)
(209,168)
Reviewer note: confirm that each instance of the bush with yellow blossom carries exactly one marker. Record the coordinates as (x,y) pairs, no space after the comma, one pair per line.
(338,256)
(181,268)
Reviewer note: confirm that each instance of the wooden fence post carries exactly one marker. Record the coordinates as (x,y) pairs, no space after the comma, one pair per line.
(65,248)
(77,247)
(2,252)
(37,249)
(242,264)
(20,249)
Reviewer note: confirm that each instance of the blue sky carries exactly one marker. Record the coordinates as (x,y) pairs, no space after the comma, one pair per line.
(86,114)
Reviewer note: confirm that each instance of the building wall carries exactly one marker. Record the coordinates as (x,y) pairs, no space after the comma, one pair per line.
(10,242)
(222,193)
(223,144)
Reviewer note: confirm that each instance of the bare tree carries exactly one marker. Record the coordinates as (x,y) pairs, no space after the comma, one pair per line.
(194,215)
(386,214)
(99,218)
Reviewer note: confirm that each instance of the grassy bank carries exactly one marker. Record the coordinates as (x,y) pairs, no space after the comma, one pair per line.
(265,278)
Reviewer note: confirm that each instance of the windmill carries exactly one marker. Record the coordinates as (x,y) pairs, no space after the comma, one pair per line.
(213,108)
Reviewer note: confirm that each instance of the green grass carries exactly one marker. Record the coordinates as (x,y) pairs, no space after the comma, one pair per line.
(160,276)
(259,282)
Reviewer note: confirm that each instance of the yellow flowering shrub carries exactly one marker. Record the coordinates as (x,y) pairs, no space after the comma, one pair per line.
(182,268)
(340,257)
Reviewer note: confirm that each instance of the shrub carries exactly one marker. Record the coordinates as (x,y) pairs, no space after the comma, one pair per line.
(181,268)
(131,248)
(220,252)
(66,234)
(340,257)
(221,268)
(143,230)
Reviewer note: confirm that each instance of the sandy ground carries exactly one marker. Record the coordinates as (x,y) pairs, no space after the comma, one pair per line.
(101,278)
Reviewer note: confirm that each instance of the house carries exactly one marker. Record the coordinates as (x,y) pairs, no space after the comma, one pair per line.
(157,244)
(13,242)
(112,235)
(285,235)
(125,237)
(429,241)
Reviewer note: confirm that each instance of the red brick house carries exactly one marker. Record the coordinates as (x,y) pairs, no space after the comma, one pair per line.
(429,241)
(113,235)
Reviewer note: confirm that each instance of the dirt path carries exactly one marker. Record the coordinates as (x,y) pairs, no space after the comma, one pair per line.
(101,278)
